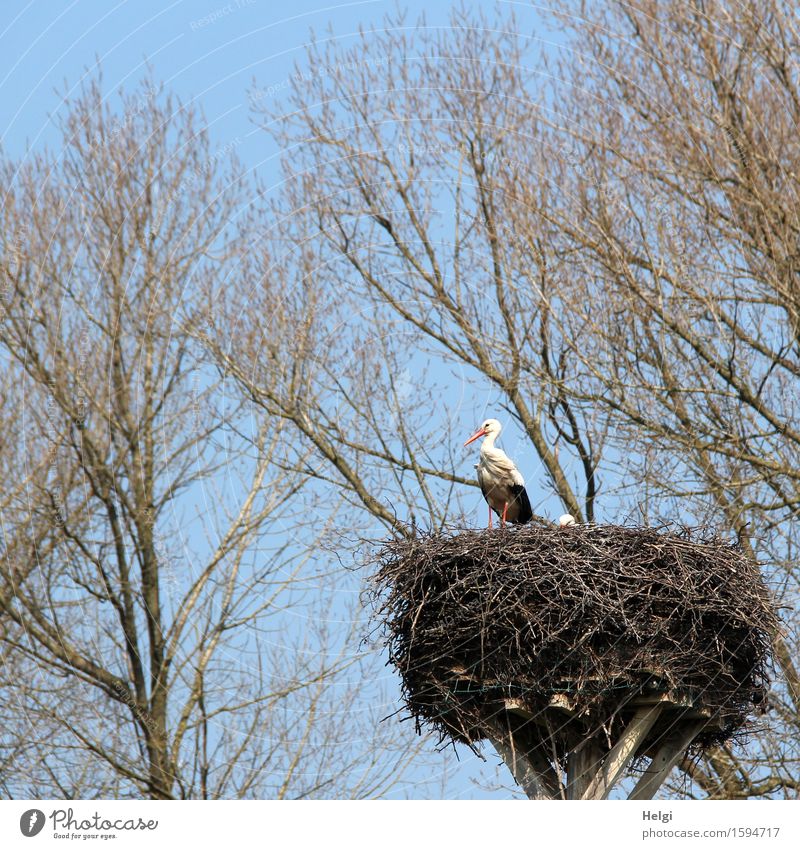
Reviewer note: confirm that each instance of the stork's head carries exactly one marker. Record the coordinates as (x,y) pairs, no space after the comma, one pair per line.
(489,426)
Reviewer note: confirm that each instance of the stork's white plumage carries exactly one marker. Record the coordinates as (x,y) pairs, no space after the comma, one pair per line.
(502,485)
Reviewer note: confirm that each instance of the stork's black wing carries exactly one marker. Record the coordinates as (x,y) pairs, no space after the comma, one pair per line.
(525,513)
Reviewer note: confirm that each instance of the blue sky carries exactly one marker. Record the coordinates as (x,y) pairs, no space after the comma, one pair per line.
(210,53)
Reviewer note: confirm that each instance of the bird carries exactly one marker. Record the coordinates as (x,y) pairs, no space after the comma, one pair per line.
(566,521)
(502,485)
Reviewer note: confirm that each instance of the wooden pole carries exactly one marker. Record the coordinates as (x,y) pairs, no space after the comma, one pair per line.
(620,756)
(532,781)
(582,765)
(522,742)
(668,754)
(532,771)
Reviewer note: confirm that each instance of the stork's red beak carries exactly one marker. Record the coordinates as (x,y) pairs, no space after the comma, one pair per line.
(478,433)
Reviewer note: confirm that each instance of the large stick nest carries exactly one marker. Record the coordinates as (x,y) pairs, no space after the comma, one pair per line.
(598,617)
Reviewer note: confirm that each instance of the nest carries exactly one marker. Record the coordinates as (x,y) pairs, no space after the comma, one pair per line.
(592,620)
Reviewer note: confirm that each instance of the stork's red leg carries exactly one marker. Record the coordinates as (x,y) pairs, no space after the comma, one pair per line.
(503,518)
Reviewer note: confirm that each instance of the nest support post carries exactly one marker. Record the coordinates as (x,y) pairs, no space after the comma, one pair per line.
(668,754)
(524,758)
(583,764)
(622,753)
(530,747)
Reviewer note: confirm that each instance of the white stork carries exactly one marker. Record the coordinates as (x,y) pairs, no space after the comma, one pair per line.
(502,485)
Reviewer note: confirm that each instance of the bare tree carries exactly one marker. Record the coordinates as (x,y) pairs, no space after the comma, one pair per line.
(153,541)
(608,253)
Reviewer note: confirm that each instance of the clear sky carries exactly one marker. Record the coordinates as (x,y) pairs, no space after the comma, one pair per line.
(210,52)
